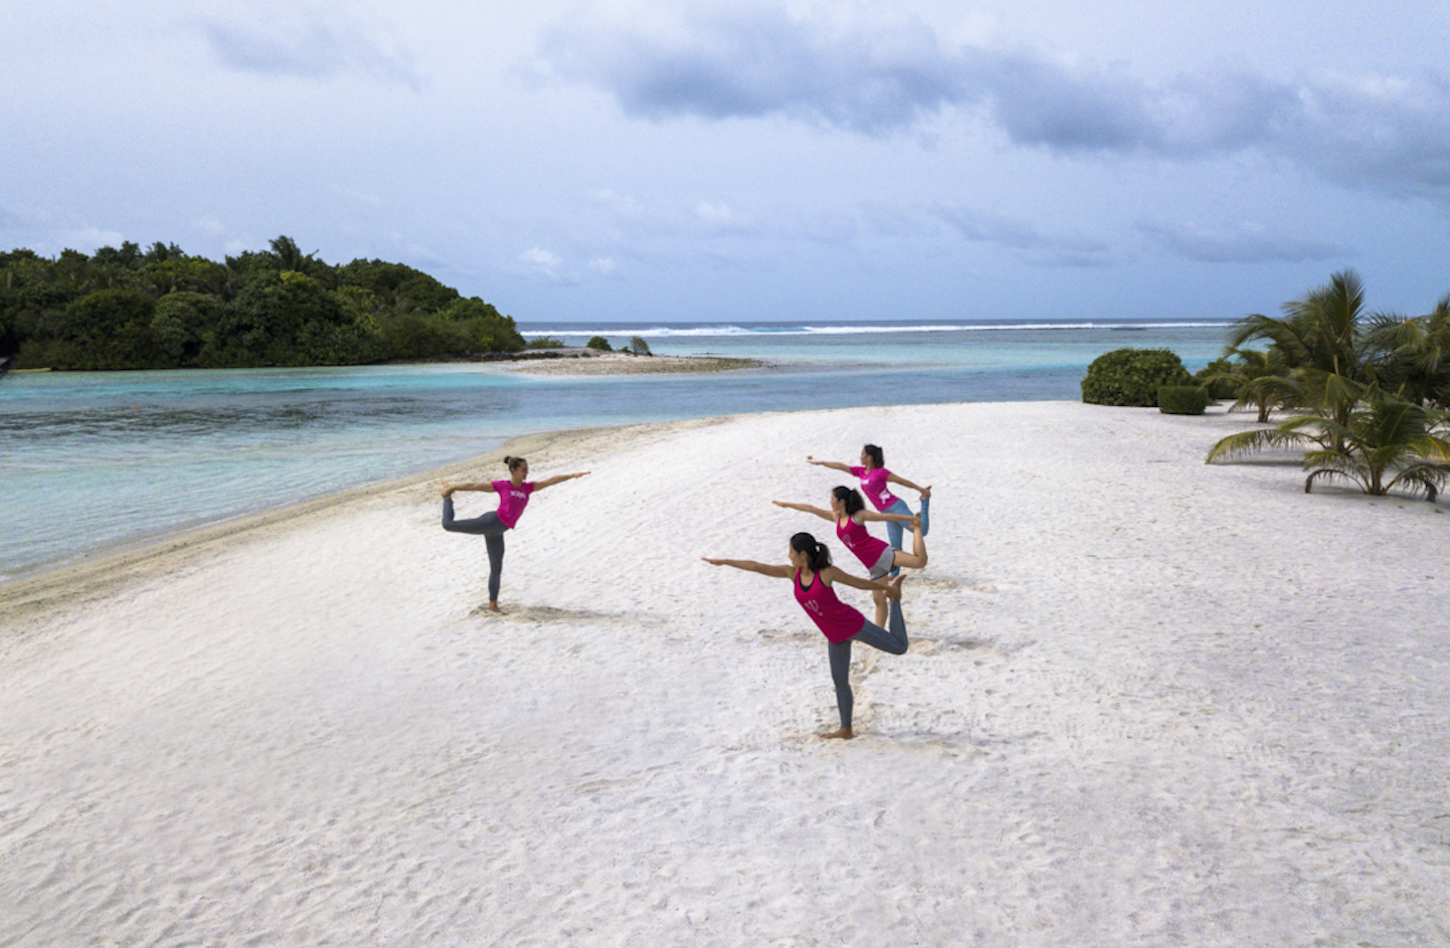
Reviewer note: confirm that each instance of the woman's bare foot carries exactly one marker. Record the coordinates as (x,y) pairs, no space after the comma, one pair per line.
(447,490)
(893,587)
(844,734)
(493,607)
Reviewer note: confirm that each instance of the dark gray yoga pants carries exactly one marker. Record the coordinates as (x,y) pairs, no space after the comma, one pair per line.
(492,529)
(891,640)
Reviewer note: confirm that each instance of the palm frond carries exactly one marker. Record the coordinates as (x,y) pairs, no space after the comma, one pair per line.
(1425,476)
(1328,473)
(1248,442)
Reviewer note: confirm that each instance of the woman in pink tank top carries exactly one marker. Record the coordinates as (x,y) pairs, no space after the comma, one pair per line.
(874,479)
(848,512)
(813,577)
(513,497)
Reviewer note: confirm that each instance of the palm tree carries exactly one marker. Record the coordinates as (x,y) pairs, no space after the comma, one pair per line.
(1260,379)
(1415,354)
(1321,339)
(288,255)
(1383,444)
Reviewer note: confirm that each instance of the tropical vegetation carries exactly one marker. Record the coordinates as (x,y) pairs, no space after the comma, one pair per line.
(1370,391)
(1258,379)
(122,308)
(1132,376)
(1182,399)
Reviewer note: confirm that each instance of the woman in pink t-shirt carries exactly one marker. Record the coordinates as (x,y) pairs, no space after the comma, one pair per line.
(513,497)
(874,477)
(812,577)
(848,512)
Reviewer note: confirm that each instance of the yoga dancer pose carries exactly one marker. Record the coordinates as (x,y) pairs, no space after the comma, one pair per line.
(848,512)
(812,574)
(513,497)
(874,478)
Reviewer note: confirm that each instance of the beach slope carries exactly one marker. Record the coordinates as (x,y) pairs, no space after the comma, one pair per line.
(1147,702)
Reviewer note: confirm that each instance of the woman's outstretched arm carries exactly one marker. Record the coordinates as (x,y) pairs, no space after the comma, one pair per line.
(861,516)
(923,491)
(833,465)
(834,574)
(556,479)
(448,488)
(780,572)
(807,508)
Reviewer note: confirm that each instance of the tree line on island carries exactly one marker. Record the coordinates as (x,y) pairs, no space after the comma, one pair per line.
(1366,395)
(122,308)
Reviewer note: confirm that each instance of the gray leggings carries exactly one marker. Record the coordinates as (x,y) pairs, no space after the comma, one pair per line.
(492,530)
(891,640)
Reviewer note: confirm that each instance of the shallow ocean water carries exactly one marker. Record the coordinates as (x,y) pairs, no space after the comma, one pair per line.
(95,459)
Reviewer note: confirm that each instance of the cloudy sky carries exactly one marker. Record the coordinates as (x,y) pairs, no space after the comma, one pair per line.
(659,160)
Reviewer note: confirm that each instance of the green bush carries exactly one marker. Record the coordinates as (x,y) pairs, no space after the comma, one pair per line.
(1182,399)
(1132,377)
(1216,377)
(638,346)
(600,343)
(546,342)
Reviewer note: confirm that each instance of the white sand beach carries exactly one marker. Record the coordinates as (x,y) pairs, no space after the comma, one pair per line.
(1147,702)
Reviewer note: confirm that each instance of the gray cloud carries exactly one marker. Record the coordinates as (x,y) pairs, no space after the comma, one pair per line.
(313,50)
(1030,244)
(752,62)
(1244,243)
(1386,134)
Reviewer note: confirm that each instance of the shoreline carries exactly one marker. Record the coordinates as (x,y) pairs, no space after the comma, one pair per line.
(555,360)
(108,567)
(1143,696)
(112,563)
(590,362)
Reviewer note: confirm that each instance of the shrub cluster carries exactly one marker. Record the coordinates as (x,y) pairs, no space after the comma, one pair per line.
(1182,399)
(1217,378)
(1132,377)
(599,343)
(161,309)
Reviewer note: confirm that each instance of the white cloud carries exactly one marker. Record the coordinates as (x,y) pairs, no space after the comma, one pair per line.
(91,239)
(542,264)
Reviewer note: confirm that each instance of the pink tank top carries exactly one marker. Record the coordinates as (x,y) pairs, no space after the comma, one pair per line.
(512,500)
(867,548)
(836,620)
(873,485)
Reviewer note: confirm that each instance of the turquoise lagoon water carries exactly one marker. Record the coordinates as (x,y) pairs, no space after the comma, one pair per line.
(91,460)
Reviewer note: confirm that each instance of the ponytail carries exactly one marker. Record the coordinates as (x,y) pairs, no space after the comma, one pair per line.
(513,462)
(877,456)
(818,556)
(850,497)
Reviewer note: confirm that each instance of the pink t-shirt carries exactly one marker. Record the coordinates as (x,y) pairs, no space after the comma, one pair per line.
(873,485)
(512,500)
(836,620)
(868,549)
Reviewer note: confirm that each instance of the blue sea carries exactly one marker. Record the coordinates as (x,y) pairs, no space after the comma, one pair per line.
(92,460)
